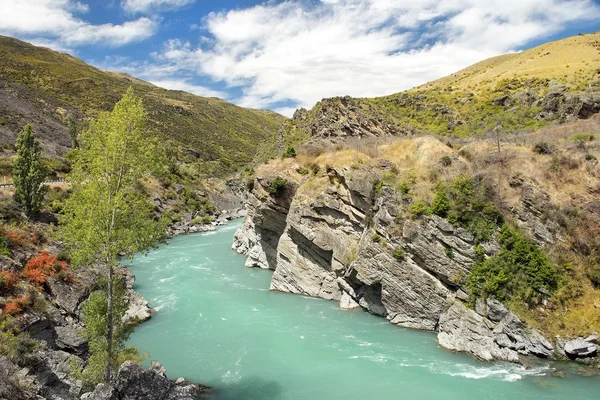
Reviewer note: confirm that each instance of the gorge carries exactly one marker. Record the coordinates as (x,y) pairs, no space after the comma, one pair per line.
(216,322)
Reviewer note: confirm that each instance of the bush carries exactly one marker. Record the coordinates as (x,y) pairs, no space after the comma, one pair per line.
(446,161)
(277,186)
(315,168)
(8,281)
(404,188)
(583,137)
(419,208)
(204,220)
(542,148)
(376,238)
(302,171)
(290,152)
(250,185)
(441,203)
(41,266)
(520,270)
(469,208)
(399,254)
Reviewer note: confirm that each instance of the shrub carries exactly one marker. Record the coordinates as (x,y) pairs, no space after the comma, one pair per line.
(542,148)
(446,161)
(469,208)
(250,185)
(4,250)
(18,238)
(302,171)
(399,254)
(441,203)
(404,188)
(582,137)
(16,305)
(290,152)
(376,238)
(8,281)
(41,266)
(519,270)
(419,208)
(315,168)
(206,219)
(449,252)
(277,186)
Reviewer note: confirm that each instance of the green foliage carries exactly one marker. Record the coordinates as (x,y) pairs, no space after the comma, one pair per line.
(440,205)
(277,186)
(378,186)
(28,173)
(404,188)
(14,343)
(107,214)
(519,271)
(399,254)
(95,311)
(376,238)
(583,137)
(204,220)
(290,152)
(464,204)
(302,171)
(449,252)
(419,208)
(223,137)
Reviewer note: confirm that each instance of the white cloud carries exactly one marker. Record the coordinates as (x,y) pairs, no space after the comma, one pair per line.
(298,51)
(59,24)
(143,6)
(185,85)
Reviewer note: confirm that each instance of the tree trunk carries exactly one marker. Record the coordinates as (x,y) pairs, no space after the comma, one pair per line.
(109,334)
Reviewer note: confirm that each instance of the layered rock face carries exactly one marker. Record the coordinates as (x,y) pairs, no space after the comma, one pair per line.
(340,238)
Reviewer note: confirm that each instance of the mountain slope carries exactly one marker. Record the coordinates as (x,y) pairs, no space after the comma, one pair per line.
(42,87)
(555,82)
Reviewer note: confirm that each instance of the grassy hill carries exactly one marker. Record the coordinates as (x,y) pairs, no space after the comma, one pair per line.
(43,87)
(551,83)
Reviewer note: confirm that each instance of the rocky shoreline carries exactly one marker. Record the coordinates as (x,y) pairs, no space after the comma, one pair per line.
(338,243)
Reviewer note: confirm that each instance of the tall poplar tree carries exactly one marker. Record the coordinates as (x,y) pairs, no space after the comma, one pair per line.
(28,173)
(108,214)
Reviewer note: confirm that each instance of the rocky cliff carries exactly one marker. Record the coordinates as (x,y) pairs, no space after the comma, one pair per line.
(342,233)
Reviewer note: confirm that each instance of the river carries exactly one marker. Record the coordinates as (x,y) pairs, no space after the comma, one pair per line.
(218,324)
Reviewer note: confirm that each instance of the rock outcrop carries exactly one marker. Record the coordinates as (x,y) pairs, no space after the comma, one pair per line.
(135,383)
(342,239)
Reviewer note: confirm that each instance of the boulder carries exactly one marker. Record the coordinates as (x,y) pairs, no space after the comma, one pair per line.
(580,348)
(68,339)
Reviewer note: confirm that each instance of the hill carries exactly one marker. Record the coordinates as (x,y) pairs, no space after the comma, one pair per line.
(552,83)
(45,87)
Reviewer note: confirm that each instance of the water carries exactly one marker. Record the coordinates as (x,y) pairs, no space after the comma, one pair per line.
(218,324)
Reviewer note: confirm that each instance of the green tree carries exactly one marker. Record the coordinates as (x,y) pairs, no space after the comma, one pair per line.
(95,311)
(72,125)
(107,214)
(28,173)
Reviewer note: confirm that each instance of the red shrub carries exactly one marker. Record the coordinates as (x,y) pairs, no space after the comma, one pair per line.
(16,305)
(18,238)
(41,266)
(8,281)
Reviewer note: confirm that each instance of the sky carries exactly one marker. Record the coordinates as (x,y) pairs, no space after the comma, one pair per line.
(282,55)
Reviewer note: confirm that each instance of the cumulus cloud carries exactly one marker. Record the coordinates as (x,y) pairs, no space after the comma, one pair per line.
(297,52)
(60,24)
(143,6)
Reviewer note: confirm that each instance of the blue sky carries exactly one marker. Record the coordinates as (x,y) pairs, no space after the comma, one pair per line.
(287,54)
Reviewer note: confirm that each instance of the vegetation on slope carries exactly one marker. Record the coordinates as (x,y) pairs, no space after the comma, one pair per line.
(211,136)
(512,93)
(534,195)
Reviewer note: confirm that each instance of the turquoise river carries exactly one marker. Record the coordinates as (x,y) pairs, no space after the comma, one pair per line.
(217,323)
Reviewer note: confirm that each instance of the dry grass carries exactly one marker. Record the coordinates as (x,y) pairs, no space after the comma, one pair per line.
(573,60)
(570,175)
